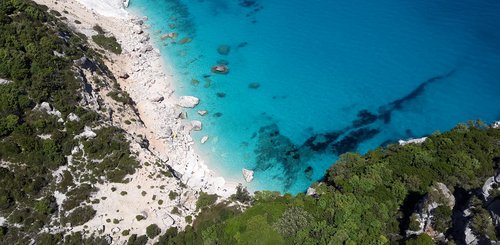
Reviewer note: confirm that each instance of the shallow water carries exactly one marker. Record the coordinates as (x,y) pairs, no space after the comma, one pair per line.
(308,82)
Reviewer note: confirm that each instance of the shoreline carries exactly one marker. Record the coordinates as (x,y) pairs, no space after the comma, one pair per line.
(151,77)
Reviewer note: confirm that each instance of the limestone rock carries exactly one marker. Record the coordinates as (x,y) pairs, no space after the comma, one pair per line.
(137,29)
(204,139)
(157,98)
(247,174)
(73,117)
(101,228)
(496,124)
(87,133)
(202,112)
(197,126)
(447,194)
(412,141)
(168,220)
(115,230)
(146,49)
(3,81)
(108,239)
(188,101)
(182,115)
(311,191)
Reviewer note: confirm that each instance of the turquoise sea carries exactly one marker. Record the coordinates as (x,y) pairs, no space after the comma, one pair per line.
(309,80)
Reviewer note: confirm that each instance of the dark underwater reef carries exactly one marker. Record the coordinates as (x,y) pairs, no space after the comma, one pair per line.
(275,149)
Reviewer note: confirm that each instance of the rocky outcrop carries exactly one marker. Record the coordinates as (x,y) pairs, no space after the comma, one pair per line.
(4,81)
(412,141)
(87,134)
(188,101)
(196,125)
(438,195)
(247,174)
(496,124)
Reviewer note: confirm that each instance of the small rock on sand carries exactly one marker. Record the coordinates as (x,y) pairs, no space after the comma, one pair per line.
(157,98)
(168,220)
(202,112)
(188,101)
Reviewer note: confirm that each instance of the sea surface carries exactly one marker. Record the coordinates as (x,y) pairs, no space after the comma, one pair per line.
(310,80)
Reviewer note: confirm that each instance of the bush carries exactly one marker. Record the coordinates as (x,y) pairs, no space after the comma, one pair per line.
(140,217)
(293,220)
(172,195)
(242,195)
(80,216)
(137,240)
(152,231)
(108,43)
(205,200)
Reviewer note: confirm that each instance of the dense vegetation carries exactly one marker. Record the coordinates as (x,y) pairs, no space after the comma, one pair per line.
(37,57)
(364,199)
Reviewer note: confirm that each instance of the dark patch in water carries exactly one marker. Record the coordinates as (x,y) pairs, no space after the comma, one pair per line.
(274,149)
(218,114)
(353,140)
(309,172)
(221,94)
(386,111)
(320,142)
(247,3)
(242,44)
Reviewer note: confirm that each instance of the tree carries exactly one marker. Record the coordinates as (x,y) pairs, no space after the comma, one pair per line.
(422,239)
(152,231)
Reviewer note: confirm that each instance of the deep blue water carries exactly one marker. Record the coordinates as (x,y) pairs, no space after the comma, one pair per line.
(332,76)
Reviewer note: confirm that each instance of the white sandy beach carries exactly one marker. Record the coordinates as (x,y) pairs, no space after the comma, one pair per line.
(149,85)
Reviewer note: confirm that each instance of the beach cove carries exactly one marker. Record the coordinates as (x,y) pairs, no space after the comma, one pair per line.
(308,83)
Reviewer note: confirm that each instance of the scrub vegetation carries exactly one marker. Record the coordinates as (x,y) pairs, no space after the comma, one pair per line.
(37,56)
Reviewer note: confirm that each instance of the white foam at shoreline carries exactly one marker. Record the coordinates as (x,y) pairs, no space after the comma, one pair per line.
(109,8)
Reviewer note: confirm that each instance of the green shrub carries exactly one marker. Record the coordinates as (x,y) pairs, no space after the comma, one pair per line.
(172,195)
(137,240)
(139,217)
(108,43)
(80,215)
(205,200)
(152,231)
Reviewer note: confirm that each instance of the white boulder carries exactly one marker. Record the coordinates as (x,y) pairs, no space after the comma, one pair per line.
(3,81)
(412,141)
(196,125)
(73,117)
(188,101)
(247,174)
(204,139)
(87,133)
